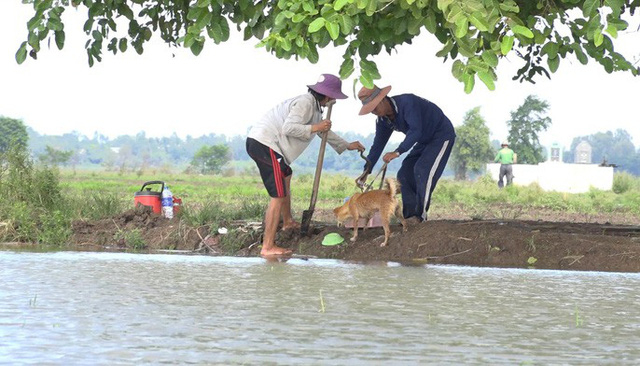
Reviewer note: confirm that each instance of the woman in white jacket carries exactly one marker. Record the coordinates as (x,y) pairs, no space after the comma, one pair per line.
(280,136)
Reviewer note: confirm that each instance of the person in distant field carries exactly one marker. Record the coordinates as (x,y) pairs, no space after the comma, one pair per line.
(429,137)
(506,157)
(280,136)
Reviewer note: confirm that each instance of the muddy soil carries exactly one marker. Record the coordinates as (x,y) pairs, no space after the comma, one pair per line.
(506,243)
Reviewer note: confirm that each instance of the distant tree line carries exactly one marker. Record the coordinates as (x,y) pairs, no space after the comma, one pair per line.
(217,153)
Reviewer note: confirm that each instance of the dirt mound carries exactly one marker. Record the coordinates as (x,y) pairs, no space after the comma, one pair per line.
(137,228)
(494,243)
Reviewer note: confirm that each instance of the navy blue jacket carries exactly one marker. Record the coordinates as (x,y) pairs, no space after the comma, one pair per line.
(419,119)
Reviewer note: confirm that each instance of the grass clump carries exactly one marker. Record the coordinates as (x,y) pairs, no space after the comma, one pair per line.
(33,208)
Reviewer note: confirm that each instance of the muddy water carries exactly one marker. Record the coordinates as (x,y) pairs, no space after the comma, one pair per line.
(126,309)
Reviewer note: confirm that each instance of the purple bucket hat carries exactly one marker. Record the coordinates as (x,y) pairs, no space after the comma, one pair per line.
(329,85)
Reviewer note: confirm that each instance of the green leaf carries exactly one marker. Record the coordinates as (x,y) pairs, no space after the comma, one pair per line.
(598,38)
(445,50)
(430,22)
(580,53)
(298,18)
(612,30)
(366,81)
(487,79)
(55,24)
(616,6)
(215,32)
(196,47)
(347,68)
(346,24)
(457,69)
(509,6)
(370,68)
(522,30)
(469,82)
(479,21)
(308,6)
(454,14)
(224,27)
(285,44)
(339,4)
(550,49)
(333,29)
(490,58)
(608,65)
(372,6)
(59,36)
(125,11)
(21,54)
(506,44)
(194,13)
(462,27)
(443,4)
(589,7)
(188,40)
(553,63)
(122,45)
(316,25)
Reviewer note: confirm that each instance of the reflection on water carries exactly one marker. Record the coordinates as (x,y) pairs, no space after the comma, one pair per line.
(114,308)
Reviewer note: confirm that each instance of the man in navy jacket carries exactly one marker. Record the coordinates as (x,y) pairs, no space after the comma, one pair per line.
(429,139)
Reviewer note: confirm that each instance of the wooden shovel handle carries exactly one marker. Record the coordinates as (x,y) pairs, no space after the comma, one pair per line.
(323,145)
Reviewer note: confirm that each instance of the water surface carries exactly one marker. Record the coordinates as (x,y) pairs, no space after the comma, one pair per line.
(125,309)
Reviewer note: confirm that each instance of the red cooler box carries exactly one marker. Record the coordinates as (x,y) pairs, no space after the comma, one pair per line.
(147,197)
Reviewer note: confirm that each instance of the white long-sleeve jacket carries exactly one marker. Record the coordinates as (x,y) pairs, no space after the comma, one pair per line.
(286,128)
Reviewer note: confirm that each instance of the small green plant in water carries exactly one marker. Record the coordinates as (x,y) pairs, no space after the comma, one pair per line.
(321,303)
(531,261)
(577,317)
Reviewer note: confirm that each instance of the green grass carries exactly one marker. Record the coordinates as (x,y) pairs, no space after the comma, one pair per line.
(41,202)
(237,197)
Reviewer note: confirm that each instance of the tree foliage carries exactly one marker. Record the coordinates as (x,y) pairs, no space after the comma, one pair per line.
(211,159)
(12,132)
(472,148)
(475,34)
(614,147)
(524,126)
(53,156)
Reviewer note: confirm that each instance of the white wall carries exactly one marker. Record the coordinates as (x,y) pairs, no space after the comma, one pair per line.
(560,177)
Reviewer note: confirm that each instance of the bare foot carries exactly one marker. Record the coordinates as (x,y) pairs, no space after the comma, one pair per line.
(275,251)
(293,225)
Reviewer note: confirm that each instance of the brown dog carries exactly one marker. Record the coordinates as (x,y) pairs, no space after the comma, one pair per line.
(364,205)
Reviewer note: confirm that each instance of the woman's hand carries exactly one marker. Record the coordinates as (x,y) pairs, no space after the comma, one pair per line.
(356,145)
(322,126)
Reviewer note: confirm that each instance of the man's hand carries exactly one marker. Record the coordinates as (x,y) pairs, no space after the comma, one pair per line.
(356,145)
(322,126)
(362,179)
(390,156)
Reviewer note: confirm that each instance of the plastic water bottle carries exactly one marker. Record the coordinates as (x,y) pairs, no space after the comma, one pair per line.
(167,203)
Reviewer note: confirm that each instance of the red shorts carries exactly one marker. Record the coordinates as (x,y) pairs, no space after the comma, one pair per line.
(272,166)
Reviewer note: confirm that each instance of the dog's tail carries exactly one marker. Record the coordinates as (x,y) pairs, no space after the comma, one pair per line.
(392,186)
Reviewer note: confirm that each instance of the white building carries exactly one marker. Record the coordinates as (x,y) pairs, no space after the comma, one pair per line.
(560,177)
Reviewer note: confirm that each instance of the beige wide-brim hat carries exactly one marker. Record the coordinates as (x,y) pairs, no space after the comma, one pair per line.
(371,98)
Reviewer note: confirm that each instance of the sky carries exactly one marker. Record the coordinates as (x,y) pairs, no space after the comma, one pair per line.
(230,86)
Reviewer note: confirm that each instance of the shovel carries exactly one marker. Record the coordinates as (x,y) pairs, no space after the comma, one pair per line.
(306,214)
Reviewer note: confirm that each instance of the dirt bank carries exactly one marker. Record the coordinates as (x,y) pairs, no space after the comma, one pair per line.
(485,243)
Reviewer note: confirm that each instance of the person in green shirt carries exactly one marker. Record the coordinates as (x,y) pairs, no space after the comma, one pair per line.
(506,157)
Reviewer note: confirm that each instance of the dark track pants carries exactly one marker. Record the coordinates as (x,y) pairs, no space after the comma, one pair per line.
(419,174)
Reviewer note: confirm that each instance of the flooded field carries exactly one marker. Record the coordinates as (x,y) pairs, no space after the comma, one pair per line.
(116,308)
